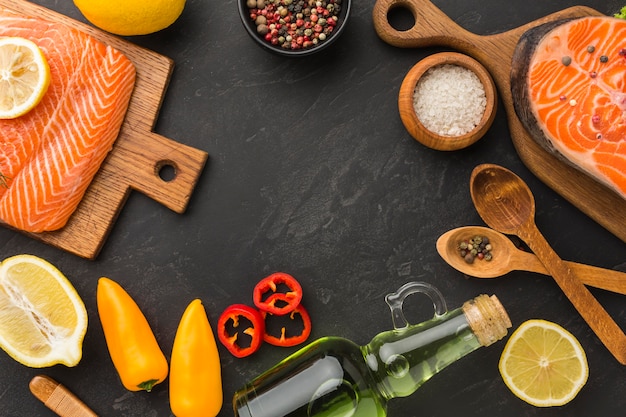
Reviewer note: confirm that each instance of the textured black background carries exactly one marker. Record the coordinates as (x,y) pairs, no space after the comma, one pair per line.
(312,172)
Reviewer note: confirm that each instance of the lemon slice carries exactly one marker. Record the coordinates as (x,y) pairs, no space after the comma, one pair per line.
(544,364)
(24,76)
(42,319)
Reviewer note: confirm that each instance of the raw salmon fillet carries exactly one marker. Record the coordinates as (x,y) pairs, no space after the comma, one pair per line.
(49,156)
(576,91)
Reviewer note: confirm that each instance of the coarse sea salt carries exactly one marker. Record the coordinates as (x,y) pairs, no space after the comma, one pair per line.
(449,100)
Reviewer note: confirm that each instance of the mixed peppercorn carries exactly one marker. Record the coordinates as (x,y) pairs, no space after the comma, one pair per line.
(294,24)
(478,247)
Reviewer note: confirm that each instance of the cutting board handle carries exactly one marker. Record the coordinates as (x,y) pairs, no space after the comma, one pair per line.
(431,26)
(166,171)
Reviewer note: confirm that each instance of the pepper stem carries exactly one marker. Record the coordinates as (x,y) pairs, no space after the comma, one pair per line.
(148,385)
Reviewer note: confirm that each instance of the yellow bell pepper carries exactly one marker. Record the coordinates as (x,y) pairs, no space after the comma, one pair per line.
(132,345)
(195,370)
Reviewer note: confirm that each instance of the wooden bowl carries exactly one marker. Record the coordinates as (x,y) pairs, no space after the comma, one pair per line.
(407,110)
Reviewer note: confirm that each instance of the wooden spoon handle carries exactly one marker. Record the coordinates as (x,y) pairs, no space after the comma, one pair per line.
(593,276)
(58,398)
(605,279)
(585,303)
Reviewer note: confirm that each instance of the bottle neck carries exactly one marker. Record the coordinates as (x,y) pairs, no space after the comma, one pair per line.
(402,360)
(487,318)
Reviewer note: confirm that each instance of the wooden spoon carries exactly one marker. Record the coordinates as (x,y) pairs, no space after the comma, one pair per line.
(58,398)
(505,203)
(507,258)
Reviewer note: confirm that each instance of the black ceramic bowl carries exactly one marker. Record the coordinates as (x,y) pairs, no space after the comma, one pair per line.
(296,31)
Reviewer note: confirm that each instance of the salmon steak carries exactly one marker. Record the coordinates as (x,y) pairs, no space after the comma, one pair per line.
(568,82)
(49,156)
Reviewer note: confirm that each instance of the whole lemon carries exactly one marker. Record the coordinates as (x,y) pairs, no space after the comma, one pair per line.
(131,17)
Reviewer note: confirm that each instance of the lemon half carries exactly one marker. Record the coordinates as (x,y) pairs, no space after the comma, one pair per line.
(131,17)
(42,318)
(544,364)
(24,76)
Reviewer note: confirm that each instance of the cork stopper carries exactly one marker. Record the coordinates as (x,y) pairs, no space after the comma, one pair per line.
(487,318)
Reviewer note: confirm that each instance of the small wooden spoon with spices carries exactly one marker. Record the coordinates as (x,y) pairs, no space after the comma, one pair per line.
(507,258)
(506,204)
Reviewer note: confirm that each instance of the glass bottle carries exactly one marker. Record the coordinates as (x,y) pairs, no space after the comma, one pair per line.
(335,377)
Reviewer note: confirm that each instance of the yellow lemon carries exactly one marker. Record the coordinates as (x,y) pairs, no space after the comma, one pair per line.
(543,364)
(42,319)
(24,76)
(131,17)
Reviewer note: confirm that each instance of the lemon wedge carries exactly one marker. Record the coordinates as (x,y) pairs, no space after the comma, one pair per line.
(544,364)
(24,76)
(42,318)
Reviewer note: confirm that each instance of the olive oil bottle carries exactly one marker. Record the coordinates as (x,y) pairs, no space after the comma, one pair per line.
(335,377)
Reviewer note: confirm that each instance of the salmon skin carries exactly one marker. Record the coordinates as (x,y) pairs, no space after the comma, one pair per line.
(49,156)
(568,81)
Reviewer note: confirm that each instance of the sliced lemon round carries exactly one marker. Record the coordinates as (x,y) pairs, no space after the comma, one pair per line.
(24,76)
(543,364)
(42,318)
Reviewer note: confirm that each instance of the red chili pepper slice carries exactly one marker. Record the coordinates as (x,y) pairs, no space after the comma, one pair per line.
(269,297)
(289,340)
(229,333)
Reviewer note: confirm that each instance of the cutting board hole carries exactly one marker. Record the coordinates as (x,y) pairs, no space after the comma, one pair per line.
(400,18)
(166,170)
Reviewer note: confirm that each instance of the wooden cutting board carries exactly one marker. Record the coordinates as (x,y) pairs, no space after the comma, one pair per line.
(139,157)
(434,28)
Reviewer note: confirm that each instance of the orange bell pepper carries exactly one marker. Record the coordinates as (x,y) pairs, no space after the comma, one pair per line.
(195,371)
(132,345)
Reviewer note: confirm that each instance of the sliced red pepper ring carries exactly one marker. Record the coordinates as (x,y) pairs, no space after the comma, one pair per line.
(286,339)
(237,320)
(269,296)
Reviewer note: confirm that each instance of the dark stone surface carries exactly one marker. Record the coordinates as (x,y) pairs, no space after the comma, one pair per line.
(311,172)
